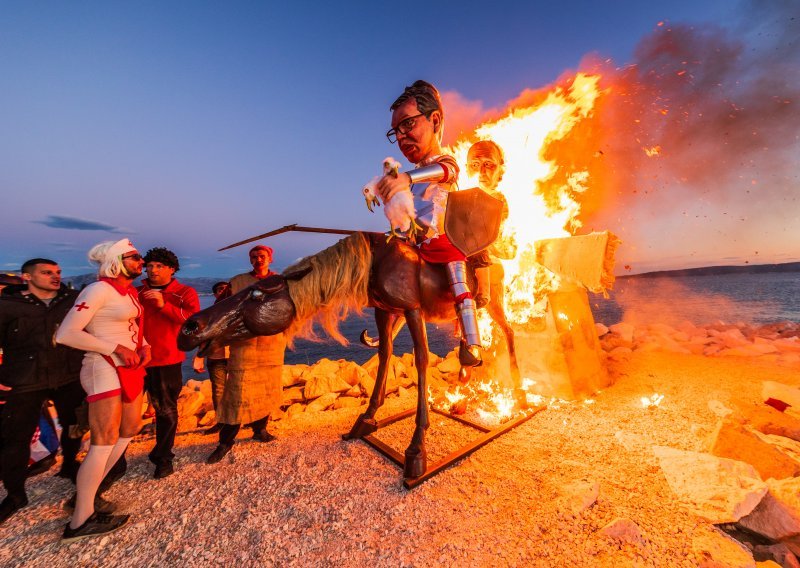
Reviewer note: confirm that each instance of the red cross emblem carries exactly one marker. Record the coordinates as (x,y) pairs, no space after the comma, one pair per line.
(82,306)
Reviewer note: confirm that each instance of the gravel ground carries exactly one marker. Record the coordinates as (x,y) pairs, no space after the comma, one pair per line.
(310,499)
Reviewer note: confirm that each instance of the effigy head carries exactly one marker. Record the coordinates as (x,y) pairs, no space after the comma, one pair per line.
(485,159)
(265,308)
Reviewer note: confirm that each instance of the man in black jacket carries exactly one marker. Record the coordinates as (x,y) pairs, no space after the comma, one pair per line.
(36,369)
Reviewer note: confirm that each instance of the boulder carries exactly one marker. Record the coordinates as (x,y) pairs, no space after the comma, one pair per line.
(207,419)
(324,367)
(292,395)
(718,550)
(351,372)
(777,516)
(290,377)
(450,364)
(624,330)
(318,385)
(323,402)
(347,402)
(190,403)
(600,329)
(624,531)
(295,409)
(367,384)
(718,489)
(354,392)
(777,555)
(732,338)
(734,441)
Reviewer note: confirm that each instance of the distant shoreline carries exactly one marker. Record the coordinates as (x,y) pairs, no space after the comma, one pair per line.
(719,270)
(203,283)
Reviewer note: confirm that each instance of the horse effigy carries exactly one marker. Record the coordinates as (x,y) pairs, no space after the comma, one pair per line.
(360,271)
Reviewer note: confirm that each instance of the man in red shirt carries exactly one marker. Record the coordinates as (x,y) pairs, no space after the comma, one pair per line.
(167,304)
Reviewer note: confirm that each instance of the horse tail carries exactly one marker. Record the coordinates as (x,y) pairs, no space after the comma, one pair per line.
(336,286)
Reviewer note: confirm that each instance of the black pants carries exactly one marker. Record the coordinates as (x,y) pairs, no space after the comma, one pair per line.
(218,373)
(163,385)
(19,417)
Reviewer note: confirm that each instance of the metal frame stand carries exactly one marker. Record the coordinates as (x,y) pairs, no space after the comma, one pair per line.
(487,436)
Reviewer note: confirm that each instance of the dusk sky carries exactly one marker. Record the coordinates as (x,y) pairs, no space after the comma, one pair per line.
(193,125)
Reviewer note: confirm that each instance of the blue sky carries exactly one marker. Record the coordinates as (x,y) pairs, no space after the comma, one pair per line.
(192,125)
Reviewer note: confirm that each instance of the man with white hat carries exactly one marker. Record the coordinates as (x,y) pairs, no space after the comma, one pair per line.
(106,322)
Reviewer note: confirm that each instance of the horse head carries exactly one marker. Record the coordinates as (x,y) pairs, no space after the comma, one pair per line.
(264,308)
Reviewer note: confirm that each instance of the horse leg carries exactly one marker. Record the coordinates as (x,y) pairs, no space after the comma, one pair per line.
(366,423)
(416,461)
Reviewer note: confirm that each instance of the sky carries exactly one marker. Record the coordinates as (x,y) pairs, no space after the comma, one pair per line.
(193,125)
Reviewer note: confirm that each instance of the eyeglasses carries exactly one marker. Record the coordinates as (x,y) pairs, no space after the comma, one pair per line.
(406,125)
(135,256)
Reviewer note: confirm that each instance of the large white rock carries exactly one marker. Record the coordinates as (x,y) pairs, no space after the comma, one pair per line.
(777,516)
(718,489)
(324,402)
(318,385)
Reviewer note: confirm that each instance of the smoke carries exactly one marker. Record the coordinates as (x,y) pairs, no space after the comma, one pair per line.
(692,150)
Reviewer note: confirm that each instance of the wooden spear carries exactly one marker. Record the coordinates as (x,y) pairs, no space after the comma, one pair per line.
(286,229)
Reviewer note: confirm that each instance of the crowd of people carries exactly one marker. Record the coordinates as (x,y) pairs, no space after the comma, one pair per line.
(107,345)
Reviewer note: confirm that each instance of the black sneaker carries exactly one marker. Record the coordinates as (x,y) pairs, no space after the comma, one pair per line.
(163,469)
(102,506)
(95,525)
(9,506)
(220,452)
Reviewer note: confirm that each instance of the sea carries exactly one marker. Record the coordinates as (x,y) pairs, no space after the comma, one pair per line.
(755,299)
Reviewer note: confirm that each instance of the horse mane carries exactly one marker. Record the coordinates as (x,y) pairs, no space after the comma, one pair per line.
(336,286)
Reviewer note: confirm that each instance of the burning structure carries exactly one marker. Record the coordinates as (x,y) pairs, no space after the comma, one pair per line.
(551,269)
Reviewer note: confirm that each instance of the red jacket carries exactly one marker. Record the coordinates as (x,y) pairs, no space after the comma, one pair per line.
(163,324)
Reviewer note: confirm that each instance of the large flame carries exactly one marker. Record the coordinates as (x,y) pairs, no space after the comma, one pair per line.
(539,207)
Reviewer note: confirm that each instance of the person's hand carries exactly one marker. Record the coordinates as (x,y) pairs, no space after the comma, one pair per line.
(129,357)
(3,388)
(389,185)
(154,297)
(145,356)
(199,365)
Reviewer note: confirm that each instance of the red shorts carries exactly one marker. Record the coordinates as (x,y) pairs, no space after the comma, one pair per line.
(440,250)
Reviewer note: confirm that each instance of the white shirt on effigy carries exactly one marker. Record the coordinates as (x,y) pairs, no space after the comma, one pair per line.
(101,319)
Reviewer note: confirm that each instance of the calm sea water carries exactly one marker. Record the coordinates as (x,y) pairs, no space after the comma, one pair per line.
(732,298)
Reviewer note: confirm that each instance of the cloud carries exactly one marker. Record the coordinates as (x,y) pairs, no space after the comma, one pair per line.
(65,222)
(194,265)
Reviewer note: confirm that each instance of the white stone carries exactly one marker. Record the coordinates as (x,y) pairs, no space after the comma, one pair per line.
(323,402)
(318,385)
(624,330)
(778,515)
(718,489)
(601,329)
